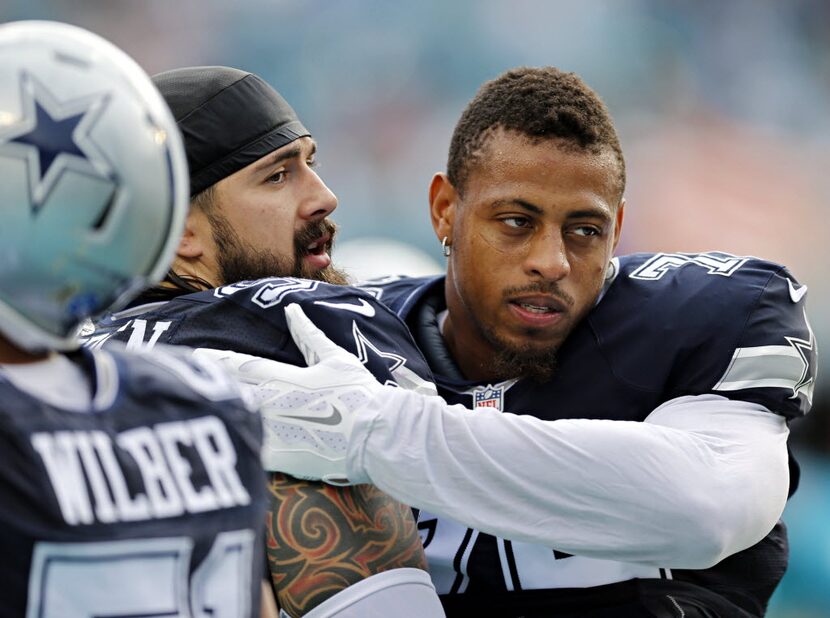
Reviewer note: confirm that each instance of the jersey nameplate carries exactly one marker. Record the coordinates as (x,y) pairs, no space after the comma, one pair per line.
(86,470)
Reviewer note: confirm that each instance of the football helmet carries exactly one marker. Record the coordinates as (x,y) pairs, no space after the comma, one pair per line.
(93,181)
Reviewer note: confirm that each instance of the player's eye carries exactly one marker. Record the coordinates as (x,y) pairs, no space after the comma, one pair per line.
(277,177)
(311,161)
(586,230)
(516,222)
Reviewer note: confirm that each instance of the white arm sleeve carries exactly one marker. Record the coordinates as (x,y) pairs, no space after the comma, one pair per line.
(702,478)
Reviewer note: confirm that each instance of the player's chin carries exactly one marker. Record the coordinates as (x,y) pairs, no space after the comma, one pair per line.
(521,357)
(522,337)
(329,274)
(536,346)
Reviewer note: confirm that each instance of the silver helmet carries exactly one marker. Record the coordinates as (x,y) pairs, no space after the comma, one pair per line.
(93,181)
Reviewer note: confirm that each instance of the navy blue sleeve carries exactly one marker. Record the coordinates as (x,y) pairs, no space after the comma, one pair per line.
(774,361)
(692,324)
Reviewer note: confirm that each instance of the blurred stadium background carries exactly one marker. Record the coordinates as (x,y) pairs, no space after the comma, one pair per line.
(723,109)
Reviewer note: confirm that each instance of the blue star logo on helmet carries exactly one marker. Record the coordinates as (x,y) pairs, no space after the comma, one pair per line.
(53,137)
(93,182)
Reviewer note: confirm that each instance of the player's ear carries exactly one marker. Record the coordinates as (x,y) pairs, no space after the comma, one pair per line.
(618,222)
(443,200)
(192,242)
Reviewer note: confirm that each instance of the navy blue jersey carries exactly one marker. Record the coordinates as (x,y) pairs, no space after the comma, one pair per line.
(248,317)
(148,503)
(666,326)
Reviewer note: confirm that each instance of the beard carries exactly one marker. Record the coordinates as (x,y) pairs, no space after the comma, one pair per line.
(519,361)
(525,360)
(239,261)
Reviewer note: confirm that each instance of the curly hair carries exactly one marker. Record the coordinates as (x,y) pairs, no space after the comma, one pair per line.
(541,103)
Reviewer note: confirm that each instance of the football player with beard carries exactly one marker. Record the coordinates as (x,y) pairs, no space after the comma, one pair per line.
(617,443)
(257,236)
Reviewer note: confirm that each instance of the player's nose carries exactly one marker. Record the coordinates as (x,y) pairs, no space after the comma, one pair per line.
(320,201)
(547,257)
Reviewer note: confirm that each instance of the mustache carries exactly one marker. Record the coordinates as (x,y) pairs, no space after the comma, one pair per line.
(311,232)
(550,288)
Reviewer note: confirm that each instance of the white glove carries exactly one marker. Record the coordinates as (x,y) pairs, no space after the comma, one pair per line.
(307,412)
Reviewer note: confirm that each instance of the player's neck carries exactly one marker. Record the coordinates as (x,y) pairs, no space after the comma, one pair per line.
(468,349)
(10,354)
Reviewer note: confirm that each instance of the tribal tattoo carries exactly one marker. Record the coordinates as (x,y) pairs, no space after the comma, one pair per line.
(322,539)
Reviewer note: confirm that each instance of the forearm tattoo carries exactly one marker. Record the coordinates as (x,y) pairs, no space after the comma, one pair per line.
(321,539)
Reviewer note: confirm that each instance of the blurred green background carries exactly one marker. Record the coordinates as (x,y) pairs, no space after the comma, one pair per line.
(723,109)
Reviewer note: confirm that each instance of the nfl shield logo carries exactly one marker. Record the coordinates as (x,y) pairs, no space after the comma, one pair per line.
(489,397)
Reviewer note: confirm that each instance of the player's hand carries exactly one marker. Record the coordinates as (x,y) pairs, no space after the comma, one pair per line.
(308,412)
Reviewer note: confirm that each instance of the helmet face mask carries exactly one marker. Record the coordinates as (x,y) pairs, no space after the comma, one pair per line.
(93,182)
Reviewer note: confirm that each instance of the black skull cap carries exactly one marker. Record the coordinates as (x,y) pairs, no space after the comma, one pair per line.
(228,119)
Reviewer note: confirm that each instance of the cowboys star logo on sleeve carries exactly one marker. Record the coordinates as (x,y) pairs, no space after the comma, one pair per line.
(52,138)
(366,348)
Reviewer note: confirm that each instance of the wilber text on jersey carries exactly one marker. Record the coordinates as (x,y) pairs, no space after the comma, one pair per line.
(142,473)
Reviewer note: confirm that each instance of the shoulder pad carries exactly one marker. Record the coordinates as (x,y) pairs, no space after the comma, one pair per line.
(734,326)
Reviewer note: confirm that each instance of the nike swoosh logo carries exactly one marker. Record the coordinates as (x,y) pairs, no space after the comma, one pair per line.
(332,419)
(796,294)
(363,308)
